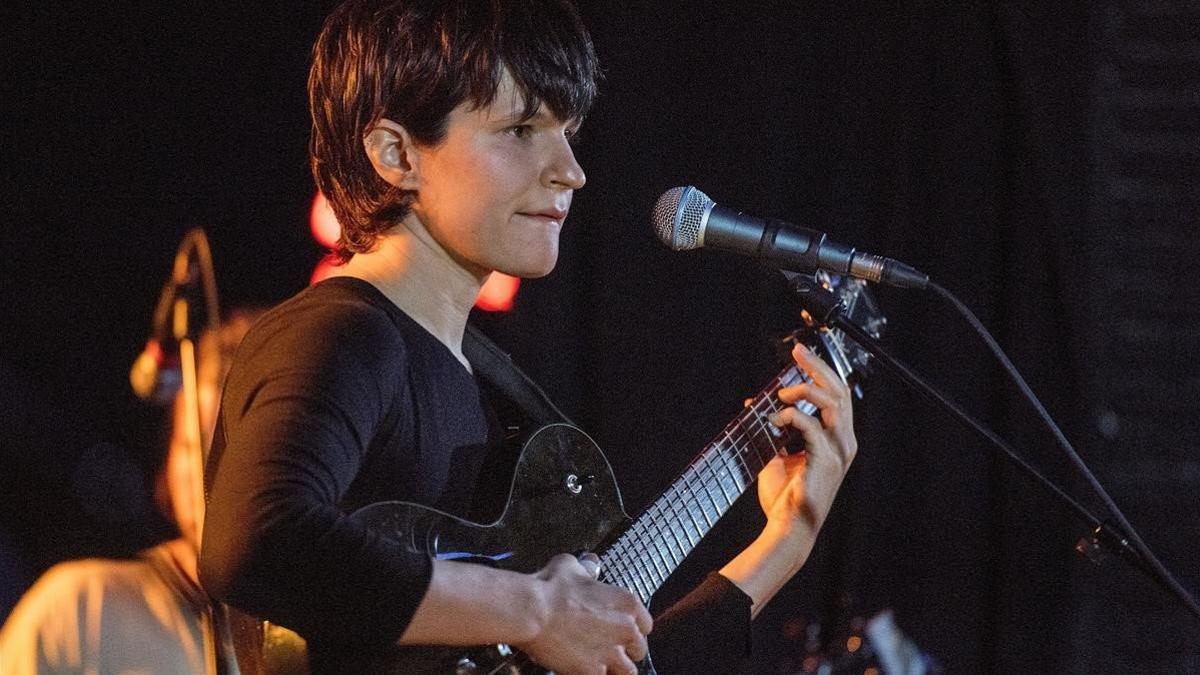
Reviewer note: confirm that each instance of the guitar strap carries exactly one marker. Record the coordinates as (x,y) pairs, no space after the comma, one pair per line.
(496,368)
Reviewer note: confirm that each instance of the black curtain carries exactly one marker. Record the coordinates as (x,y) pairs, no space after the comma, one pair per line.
(978,141)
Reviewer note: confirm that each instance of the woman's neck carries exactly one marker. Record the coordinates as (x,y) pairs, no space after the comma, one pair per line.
(413,271)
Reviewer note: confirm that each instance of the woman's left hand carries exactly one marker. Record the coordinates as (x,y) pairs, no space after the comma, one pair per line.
(798,489)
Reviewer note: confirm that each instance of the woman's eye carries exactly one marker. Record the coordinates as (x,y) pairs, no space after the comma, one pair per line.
(520,130)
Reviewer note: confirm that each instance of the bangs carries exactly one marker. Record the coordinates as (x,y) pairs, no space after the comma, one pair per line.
(545,49)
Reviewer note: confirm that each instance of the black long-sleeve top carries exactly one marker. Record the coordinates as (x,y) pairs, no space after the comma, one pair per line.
(338,399)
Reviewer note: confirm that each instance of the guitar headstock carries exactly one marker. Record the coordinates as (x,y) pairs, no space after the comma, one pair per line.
(851,362)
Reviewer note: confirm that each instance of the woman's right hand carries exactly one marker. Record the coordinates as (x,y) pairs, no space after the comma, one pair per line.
(586,626)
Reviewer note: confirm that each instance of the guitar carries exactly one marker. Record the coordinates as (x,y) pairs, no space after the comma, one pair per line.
(564,498)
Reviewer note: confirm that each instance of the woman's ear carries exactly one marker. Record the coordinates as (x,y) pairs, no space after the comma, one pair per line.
(391,151)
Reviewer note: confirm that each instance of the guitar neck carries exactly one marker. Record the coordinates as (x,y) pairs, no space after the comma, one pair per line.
(642,558)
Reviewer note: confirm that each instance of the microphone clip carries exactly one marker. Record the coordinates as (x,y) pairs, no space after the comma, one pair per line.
(822,304)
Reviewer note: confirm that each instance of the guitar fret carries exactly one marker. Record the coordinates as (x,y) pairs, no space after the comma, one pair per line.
(705,484)
(768,431)
(674,523)
(656,571)
(752,436)
(661,544)
(686,521)
(662,524)
(749,452)
(679,501)
(755,437)
(640,581)
(692,476)
(720,486)
(640,586)
(742,430)
(644,583)
(732,474)
(688,479)
(737,452)
(611,563)
(682,549)
(621,560)
(691,506)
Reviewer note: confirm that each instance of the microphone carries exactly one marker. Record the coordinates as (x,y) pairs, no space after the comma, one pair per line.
(156,375)
(685,218)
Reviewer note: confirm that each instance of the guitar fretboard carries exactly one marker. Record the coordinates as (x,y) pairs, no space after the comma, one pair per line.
(644,556)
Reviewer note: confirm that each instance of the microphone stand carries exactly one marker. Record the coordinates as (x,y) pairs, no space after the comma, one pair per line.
(174,331)
(826,309)
(184,272)
(186,275)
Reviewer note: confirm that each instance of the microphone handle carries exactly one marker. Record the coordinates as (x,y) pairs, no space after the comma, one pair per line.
(801,249)
(789,246)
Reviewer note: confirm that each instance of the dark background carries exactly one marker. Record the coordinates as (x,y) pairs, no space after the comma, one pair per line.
(1038,159)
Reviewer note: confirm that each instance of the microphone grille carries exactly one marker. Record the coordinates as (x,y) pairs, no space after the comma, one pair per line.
(679,217)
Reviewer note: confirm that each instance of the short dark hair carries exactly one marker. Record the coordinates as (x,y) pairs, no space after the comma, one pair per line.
(414,61)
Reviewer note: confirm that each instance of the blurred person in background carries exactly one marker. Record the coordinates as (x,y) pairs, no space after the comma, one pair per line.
(145,614)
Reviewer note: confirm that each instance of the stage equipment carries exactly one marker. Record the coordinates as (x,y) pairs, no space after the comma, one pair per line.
(1106,536)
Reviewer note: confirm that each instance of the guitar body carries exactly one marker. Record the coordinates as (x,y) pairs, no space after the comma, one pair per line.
(563,499)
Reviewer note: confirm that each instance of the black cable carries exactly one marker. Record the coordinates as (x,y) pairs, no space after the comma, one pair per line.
(896,366)
(1155,567)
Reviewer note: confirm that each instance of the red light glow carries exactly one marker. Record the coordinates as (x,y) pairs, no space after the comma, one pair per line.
(323,268)
(324,225)
(498,293)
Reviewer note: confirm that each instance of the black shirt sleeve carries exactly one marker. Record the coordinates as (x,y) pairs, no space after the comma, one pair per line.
(708,630)
(308,389)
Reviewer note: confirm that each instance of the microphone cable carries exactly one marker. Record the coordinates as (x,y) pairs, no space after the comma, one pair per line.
(1147,557)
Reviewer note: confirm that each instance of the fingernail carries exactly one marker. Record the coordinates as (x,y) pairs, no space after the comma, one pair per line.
(774,418)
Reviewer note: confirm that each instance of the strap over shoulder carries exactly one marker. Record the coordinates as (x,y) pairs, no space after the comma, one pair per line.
(496,367)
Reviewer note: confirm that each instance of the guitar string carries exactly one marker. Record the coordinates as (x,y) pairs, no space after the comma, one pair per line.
(673,524)
(683,549)
(741,457)
(636,562)
(635,572)
(648,543)
(747,436)
(624,562)
(660,542)
(676,499)
(680,502)
(658,513)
